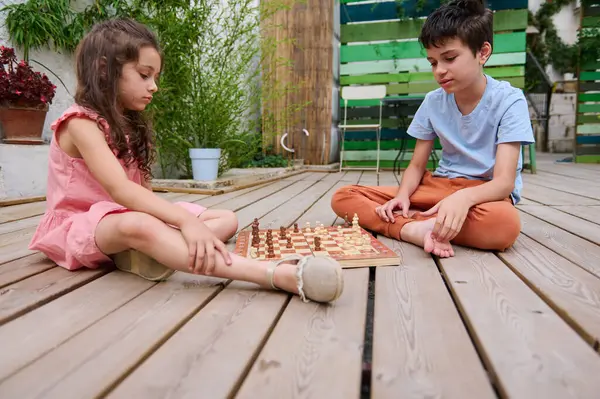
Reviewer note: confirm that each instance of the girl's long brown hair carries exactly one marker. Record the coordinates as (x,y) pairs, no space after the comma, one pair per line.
(100,57)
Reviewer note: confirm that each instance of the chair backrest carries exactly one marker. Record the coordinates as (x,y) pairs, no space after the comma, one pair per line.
(363,92)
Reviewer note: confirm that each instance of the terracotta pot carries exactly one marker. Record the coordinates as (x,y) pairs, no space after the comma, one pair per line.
(22,125)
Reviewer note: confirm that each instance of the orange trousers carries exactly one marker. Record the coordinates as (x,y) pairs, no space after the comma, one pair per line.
(489,226)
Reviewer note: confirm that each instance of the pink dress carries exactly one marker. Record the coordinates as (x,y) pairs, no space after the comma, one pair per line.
(76,202)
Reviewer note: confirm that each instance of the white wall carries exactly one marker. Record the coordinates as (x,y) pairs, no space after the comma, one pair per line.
(567,24)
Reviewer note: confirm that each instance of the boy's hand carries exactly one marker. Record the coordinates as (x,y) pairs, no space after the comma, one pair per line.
(451,214)
(202,244)
(385,211)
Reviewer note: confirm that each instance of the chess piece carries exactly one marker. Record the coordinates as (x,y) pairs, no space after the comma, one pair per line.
(282,232)
(296,228)
(289,243)
(317,243)
(346,222)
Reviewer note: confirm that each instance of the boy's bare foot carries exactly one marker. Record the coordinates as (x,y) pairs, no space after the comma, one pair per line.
(419,233)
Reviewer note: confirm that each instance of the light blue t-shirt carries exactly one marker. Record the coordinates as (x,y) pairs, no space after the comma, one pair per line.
(469,142)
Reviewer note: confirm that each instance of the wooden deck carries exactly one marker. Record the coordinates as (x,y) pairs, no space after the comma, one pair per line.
(480,325)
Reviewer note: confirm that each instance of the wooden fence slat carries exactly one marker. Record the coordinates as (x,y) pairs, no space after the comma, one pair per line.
(528,349)
(412,355)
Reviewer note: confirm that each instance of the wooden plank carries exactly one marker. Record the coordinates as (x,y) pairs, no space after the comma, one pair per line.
(587,158)
(583,97)
(571,291)
(550,196)
(17,225)
(22,211)
(410,28)
(190,198)
(22,268)
(586,140)
(253,196)
(387,178)
(495,72)
(527,348)
(384,155)
(288,212)
(419,64)
(21,200)
(513,42)
(14,251)
(412,357)
(321,210)
(368,178)
(315,349)
(588,108)
(97,358)
(589,76)
(214,200)
(564,183)
(213,347)
(261,208)
(19,236)
(576,249)
(568,170)
(23,341)
(589,213)
(352,176)
(33,292)
(592,128)
(582,228)
(386,10)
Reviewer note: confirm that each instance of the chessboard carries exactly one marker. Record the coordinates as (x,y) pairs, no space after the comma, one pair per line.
(351,246)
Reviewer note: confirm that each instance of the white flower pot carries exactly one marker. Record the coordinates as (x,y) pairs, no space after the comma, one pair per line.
(205,163)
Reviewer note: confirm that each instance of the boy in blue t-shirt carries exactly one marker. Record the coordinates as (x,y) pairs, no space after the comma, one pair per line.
(481,124)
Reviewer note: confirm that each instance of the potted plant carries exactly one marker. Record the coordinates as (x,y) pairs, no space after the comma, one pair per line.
(24,99)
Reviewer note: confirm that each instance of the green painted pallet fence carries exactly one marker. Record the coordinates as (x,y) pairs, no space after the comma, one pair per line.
(587,136)
(379,46)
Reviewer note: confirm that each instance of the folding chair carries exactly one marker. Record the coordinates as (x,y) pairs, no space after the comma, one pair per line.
(361,93)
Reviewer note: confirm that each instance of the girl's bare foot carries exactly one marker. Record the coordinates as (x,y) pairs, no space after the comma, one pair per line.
(419,233)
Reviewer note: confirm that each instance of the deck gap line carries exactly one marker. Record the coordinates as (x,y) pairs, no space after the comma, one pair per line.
(563,175)
(21,257)
(486,363)
(71,336)
(558,254)
(261,198)
(43,302)
(220,287)
(257,187)
(367,357)
(546,299)
(575,234)
(317,200)
(563,191)
(532,200)
(558,208)
(236,387)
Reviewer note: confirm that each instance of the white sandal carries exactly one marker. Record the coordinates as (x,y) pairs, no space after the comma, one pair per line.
(319,278)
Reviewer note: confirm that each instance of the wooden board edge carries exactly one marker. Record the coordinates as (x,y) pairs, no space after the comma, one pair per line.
(19,201)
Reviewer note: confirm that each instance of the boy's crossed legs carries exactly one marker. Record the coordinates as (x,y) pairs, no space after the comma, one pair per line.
(489,226)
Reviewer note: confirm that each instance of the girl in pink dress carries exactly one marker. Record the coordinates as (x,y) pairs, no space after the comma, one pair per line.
(101,208)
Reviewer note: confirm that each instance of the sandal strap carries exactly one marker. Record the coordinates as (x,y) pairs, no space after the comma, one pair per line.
(271,274)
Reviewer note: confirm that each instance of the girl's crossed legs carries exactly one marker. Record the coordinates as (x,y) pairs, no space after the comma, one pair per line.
(119,232)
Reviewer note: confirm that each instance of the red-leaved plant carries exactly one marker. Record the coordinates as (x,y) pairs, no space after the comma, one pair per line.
(20,86)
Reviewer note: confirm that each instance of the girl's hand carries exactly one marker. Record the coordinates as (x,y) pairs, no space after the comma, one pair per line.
(386,210)
(202,244)
(451,214)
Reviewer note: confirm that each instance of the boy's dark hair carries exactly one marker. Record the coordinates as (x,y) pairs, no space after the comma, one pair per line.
(468,20)
(99,61)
